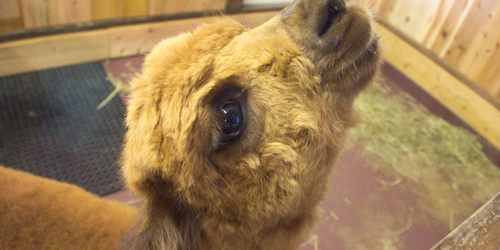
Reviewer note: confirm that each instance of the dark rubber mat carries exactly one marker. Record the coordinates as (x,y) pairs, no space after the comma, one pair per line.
(49,126)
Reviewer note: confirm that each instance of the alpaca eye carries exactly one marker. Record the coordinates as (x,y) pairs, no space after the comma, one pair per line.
(232,121)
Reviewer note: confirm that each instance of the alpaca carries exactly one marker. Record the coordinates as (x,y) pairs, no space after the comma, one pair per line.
(41,214)
(232,133)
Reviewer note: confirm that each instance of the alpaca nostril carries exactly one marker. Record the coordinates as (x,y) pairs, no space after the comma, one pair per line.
(335,8)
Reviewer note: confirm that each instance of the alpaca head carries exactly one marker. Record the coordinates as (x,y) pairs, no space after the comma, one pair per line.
(242,127)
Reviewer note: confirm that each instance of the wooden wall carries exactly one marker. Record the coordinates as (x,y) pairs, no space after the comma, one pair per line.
(10,16)
(464,33)
(25,14)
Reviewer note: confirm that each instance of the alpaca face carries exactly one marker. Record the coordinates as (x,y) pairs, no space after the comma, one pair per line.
(244,126)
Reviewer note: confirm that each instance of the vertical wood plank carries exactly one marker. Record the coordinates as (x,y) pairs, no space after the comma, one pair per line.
(34,13)
(118,8)
(450,27)
(473,27)
(40,13)
(444,9)
(68,11)
(9,9)
(106,9)
(160,7)
(10,16)
(135,8)
(490,75)
(414,18)
(481,48)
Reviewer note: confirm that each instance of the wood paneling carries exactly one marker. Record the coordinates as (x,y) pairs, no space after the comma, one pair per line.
(158,7)
(413,17)
(464,33)
(435,31)
(490,74)
(34,13)
(119,8)
(9,9)
(442,85)
(10,16)
(41,13)
(68,11)
(475,38)
(448,30)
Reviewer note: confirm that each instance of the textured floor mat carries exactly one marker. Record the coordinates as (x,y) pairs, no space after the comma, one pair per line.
(49,126)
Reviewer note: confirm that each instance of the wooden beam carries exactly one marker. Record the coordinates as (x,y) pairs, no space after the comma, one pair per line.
(480,231)
(60,50)
(54,51)
(140,39)
(480,114)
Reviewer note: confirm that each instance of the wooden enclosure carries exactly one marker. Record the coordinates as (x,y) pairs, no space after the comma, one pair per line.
(464,33)
(24,14)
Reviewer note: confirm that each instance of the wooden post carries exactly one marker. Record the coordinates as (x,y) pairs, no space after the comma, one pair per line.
(480,231)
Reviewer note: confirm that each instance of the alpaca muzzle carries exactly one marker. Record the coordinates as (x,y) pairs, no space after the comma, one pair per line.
(332,34)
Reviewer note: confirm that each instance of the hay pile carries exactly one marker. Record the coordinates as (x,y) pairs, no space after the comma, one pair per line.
(440,166)
(445,163)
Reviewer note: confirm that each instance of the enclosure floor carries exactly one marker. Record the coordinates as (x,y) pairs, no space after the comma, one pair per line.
(358,192)
(49,126)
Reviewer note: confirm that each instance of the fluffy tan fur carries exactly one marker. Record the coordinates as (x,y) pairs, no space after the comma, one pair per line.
(38,213)
(296,77)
